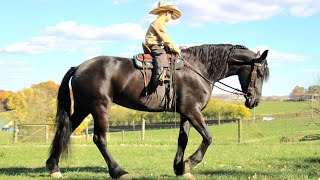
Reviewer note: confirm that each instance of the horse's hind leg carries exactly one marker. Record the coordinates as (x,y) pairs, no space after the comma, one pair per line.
(56,150)
(100,116)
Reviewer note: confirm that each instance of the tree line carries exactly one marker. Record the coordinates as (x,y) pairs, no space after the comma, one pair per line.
(37,104)
(301,93)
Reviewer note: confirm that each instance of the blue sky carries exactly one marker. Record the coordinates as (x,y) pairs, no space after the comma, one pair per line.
(42,39)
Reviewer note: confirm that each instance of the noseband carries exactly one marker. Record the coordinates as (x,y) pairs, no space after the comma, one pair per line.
(253,81)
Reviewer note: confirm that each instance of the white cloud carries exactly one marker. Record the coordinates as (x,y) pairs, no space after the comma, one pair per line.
(68,36)
(120,1)
(14,69)
(43,44)
(229,11)
(83,31)
(275,56)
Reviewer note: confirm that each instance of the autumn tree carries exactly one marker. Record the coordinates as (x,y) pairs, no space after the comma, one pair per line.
(315,89)
(35,104)
(297,91)
(228,110)
(4,99)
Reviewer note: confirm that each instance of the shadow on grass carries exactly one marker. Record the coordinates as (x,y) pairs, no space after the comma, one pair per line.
(313,160)
(42,172)
(235,173)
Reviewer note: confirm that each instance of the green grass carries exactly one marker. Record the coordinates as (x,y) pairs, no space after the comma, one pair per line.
(143,161)
(260,156)
(7,116)
(281,107)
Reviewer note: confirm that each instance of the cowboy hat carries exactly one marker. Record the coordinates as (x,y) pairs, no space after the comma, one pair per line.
(164,6)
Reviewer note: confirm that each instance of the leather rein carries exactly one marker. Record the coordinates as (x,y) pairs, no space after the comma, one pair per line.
(235,90)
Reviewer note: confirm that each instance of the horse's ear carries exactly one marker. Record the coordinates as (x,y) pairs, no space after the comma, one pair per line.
(258,54)
(263,56)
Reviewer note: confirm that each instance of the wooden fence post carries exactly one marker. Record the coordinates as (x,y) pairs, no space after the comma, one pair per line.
(143,128)
(219,119)
(122,135)
(87,132)
(133,125)
(15,132)
(239,130)
(47,133)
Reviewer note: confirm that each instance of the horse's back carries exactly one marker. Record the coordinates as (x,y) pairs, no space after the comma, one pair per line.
(94,77)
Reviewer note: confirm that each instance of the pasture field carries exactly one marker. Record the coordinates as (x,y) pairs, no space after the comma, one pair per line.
(282,107)
(7,116)
(260,156)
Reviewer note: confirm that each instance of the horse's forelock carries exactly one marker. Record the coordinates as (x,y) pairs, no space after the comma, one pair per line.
(266,73)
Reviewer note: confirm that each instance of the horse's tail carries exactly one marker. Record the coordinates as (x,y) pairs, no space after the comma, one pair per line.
(64,127)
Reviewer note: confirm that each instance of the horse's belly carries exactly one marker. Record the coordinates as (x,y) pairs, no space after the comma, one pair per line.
(140,101)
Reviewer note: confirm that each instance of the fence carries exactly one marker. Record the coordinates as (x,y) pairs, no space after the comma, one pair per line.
(44,133)
(32,132)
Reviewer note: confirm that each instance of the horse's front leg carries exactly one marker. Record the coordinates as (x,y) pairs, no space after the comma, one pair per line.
(178,164)
(198,123)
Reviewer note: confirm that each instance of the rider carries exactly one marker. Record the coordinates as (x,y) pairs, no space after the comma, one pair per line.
(157,38)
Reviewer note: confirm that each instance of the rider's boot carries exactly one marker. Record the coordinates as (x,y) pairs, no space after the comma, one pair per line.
(157,76)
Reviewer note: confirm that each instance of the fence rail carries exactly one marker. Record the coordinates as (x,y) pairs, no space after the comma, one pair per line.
(45,132)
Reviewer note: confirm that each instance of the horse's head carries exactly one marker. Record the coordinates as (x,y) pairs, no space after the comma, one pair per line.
(252,70)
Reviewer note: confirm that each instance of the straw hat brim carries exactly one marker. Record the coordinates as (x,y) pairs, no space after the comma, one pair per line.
(175,11)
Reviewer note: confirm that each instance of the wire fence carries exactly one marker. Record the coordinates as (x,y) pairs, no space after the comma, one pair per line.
(44,133)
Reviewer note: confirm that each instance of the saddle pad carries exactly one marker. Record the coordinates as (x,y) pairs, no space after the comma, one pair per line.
(148,57)
(139,64)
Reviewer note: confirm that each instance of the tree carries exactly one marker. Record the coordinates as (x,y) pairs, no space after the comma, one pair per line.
(216,108)
(35,104)
(213,108)
(4,99)
(297,91)
(314,89)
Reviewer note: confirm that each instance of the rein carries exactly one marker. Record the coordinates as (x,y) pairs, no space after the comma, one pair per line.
(235,90)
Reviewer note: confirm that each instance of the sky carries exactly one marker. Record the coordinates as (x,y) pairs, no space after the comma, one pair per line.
(42,39)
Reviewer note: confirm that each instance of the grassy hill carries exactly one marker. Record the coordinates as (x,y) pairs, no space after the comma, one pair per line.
(282,107)
(7,116)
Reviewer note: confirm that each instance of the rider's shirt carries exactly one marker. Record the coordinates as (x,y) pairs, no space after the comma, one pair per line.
(157,34)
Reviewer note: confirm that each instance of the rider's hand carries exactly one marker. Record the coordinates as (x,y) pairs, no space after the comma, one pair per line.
(176,49)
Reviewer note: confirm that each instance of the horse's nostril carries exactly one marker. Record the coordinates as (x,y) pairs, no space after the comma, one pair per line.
(249,95)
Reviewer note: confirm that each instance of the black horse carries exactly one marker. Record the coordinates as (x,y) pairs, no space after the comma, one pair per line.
(102,80)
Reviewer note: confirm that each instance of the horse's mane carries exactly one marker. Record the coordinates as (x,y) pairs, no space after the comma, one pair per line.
(213,57)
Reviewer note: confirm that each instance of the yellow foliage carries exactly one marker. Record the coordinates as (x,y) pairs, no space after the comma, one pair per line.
(4,95)
(36,104)
(81,127)
(225,109)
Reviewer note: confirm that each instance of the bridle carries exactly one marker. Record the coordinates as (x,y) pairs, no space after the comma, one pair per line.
(252,84)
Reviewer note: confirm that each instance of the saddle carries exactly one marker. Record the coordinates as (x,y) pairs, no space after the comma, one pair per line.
(144,60)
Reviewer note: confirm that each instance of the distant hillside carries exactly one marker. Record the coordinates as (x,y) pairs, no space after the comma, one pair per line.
(7,116)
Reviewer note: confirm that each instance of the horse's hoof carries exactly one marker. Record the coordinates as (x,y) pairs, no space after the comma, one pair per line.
(187,167)
(125,177)
(189,176)
(56,175)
